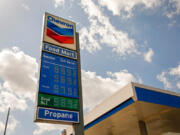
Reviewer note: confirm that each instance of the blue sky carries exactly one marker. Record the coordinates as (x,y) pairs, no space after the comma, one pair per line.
(121,41)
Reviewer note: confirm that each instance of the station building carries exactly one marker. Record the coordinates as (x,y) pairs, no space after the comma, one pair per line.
(135,110)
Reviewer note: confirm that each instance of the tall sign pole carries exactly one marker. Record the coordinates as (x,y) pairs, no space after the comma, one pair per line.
(59,96)
(79,128)
(6,121)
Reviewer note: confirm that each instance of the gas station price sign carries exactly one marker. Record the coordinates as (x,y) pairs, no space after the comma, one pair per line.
(58,76)
(58,86)
(59,94)
(58,102)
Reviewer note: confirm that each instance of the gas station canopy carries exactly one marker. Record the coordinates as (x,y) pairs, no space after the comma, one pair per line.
(136,110)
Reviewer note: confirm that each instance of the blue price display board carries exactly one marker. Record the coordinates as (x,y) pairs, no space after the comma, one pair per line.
(58,76)
(57,115)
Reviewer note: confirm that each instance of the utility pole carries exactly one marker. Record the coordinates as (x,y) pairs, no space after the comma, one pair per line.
(7,121)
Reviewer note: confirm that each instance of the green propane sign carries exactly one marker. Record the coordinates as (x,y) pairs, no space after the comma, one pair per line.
(58,102)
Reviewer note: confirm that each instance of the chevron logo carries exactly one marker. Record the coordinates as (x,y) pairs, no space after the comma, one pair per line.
(61,35)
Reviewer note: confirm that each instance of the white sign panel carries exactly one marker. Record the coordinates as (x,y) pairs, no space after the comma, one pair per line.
(59,31)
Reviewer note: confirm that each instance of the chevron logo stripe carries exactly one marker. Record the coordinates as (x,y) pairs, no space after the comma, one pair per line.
(59,38)
(60,31)
(61,35)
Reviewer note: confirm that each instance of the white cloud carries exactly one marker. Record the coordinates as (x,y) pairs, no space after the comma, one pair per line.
(18,72)
(174,78)
(178,85)
(18,79)
(175,71)
(148,55)
(25,6)
(44,127)
(12,124)
(58,3)
(175,5)
(162,77)
(125,7)
(8,99)
(1,127)
(97,88)
(102,32)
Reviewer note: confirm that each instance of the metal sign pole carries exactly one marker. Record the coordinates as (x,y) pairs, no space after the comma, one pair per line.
(79,128)
(7,121)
